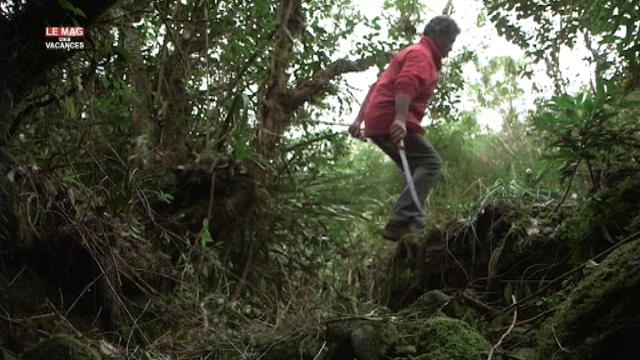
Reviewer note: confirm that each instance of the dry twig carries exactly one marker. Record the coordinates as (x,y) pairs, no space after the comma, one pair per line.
(477,305)
(542,315)
(555,337)
(504,336)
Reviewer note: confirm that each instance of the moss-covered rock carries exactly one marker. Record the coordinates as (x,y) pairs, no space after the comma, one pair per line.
(503,241)
(361,339)
(443,338)
(60,347)
(373,341)
(601,318)
(609,214)
(428,304)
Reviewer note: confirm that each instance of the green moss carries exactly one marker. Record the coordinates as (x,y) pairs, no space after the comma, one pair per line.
(443,338)
(428,304)
(600,318)
(60,347)
(609,214)
(634,225)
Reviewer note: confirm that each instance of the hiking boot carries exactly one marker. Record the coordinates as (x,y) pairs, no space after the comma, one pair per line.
(395,230)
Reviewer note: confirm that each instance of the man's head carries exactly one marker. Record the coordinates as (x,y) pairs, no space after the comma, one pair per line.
(443,31)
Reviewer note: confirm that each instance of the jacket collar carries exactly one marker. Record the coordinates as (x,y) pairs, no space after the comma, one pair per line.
(433,49)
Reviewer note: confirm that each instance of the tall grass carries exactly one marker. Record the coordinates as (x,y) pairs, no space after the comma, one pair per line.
(474,162)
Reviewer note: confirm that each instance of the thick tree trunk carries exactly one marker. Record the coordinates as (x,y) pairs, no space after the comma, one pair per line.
(273,105)
(279,103)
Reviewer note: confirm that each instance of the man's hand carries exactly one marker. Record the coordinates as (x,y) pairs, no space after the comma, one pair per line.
(355,130)
(398,131)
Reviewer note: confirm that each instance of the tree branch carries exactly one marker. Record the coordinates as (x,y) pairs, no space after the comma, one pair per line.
(279,102)
(322,78)
(283,44)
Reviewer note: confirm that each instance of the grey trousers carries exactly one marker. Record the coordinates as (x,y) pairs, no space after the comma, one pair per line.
(425,164)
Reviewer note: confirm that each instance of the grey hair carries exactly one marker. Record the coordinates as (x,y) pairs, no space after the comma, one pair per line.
(441,25)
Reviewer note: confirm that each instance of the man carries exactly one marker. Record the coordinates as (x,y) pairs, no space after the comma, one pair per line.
(392,112)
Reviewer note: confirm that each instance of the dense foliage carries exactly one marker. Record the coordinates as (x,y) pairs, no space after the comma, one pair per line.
(174,191)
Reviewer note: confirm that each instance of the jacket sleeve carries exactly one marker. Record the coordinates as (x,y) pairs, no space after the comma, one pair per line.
(414,73)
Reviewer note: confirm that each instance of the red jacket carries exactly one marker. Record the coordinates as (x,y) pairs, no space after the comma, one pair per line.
(414,72)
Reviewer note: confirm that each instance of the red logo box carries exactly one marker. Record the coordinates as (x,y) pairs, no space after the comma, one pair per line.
(63,31)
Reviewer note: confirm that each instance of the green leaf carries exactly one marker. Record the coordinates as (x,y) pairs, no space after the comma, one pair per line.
(164,197)
(205,235)
(118,203)
(123,53)
(66,5)
(508,291)
(70,107)
(80,12)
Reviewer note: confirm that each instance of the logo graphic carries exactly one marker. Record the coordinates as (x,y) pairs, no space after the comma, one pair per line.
(69,38)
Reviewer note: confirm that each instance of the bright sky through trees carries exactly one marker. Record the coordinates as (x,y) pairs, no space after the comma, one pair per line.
(487,44)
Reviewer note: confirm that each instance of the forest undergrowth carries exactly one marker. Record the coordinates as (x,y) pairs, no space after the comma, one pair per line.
(275,273)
